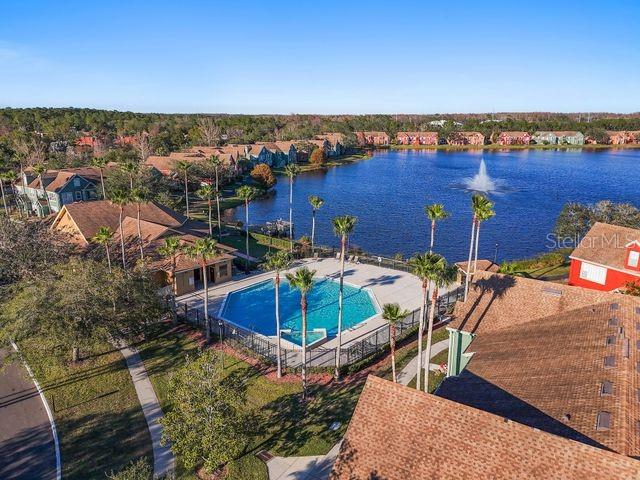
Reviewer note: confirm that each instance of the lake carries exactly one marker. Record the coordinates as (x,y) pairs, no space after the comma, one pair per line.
(389,191)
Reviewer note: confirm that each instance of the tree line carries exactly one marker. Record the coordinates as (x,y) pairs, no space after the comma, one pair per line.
(170,132)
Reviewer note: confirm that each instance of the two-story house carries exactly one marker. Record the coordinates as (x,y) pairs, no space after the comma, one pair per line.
(514,138)
(417,138)
(607,258)
(336,143)
(372,138)
(58,188)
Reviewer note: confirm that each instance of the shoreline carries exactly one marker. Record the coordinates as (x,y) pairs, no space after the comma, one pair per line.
(495,146)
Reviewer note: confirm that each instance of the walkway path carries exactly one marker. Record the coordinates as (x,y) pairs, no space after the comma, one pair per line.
(163,460)
(408,373)
(318,467)
(303,468)
(27,444)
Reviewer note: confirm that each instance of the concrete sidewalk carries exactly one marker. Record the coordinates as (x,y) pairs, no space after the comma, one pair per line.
(303,468)
(408,373)
(163,460)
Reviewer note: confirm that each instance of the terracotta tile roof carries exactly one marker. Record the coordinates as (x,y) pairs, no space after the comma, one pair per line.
(515,134)
(285,145)
(271,146)
(538,358)
(482,265)
(418,134)
(399,433)
(605,245)
(332,137)
(90,216)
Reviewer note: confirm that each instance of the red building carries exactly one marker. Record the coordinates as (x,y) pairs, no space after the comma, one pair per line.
(607,258)
(372,138)
(514,138)
(417,138)
(465,138)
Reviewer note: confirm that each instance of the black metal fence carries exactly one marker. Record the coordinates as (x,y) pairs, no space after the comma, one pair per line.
(352,352)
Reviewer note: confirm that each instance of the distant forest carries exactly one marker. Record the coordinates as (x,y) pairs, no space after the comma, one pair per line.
(170,132)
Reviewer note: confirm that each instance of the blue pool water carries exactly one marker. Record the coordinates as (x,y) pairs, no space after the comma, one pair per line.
(254,308)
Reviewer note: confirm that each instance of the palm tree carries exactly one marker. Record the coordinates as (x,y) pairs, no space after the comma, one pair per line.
(102,237)
(184,167)
(39,169)
(302,279)
(208,193)
(435,212)
(8,176)
(278,262)
(139,196)
(202,250)
(214,160)
(171,249)
(131,167)
(393,314)
(342,227)
(484,213)
(100,163)
(316,204)
(442,274)
(422,266)
(120,198)
(246,193)
(291,170)
(476,207)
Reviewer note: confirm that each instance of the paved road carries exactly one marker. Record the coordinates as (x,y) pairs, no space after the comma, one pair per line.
(26,442)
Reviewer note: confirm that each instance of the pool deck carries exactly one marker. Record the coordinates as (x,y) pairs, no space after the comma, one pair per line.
(387,285)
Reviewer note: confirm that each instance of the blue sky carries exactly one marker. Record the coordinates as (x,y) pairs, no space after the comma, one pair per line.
(322,57)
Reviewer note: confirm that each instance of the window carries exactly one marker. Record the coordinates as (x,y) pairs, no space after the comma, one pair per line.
(611,340)
(606,388)
(593,273)
(78,195)
(223,270)
(634,259)
(613,322)
(609,361)
(67,197)
(76,182)
(603,422)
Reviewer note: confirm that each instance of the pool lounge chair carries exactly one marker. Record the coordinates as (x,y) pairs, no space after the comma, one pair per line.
(356,259)
(350,259)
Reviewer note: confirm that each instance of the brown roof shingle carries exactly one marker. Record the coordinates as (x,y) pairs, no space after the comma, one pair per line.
(90,216)
(399,433)
(539,355)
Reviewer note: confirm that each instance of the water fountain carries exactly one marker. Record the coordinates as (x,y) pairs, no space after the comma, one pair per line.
(481,182)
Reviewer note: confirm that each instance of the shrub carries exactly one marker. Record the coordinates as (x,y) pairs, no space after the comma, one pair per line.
(317,157)
(135,470)
(262,174)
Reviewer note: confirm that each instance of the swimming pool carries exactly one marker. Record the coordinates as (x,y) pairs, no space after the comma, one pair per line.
(253,308)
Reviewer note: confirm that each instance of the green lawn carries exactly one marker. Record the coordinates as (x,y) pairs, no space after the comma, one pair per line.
(405,353)
(435,379)
(235,239)
(283,426)
(554,272)
(97,413)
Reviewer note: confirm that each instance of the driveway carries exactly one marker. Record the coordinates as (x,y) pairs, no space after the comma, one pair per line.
(26,442)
